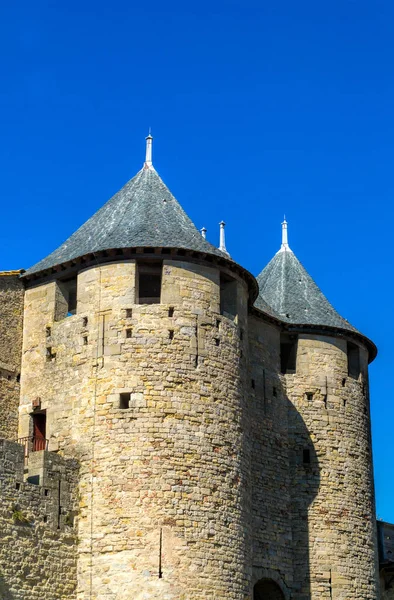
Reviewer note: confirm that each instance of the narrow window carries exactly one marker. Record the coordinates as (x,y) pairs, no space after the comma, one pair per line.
(228,296)
(306,456)
(66,298)
(288,353)
(171,311)
(48,331)
(129,313)
(149,283)
(85,322)
(170,334)
(309,396)
(353,360)
(129,332)
(124,400)
(217,342)
(85,340)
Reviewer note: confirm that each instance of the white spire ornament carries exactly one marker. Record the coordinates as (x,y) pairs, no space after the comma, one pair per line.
(148,155)
(204,232)
(222,243)
(285,244)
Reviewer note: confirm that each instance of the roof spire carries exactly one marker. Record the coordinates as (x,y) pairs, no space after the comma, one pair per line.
(203,232)
(222,245)
(148,155)
(285,244)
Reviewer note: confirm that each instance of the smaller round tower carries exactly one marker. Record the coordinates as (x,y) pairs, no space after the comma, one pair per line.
(324,369)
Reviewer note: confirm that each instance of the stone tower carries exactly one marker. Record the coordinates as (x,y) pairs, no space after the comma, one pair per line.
(220,424)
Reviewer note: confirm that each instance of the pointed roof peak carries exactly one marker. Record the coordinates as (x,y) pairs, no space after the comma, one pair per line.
(285,242)
(143,213)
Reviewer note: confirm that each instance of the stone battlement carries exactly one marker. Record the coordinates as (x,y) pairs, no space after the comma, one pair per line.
(37,534)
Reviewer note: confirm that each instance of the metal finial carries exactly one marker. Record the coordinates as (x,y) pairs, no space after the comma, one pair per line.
(285,243)
(148,155)
(222,244)
(203,232)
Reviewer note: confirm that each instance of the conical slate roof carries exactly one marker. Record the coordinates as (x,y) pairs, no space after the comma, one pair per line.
(143,213)
(290,291)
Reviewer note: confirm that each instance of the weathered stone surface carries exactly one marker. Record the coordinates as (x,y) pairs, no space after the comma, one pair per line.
(11,324)
(190,443)
(37,539)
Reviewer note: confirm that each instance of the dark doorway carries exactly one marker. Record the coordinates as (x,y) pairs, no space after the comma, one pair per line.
(39,431)
(266,589)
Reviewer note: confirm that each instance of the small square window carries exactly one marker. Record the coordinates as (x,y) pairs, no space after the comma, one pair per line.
(124,400)
(129,332)
(129,313)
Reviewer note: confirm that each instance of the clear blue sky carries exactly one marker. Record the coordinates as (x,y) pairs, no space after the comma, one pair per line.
(257,109)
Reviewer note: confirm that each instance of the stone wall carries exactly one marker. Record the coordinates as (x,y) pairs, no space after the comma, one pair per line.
(272,550)
(37,538)
(333,510)
(11,324)
(164,481)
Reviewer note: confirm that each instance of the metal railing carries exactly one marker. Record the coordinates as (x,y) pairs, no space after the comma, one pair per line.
(33,444)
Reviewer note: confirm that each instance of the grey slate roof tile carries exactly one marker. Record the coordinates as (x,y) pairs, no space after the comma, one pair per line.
(292,294)
(143,213)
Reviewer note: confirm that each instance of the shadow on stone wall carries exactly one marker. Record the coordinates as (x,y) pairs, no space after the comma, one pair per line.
(304,486)
(5,593)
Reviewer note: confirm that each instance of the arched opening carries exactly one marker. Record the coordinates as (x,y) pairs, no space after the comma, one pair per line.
(266,589)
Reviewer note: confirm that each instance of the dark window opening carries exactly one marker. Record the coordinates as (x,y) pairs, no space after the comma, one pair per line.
(309,396)
(306,456)
(46,492)
(344,382)
(129,313)
(353,360)
(85,322)
(228,296)
(45,518)
(48,331)
(66,298)
(171,311)
(124,400)
(149,283)
(17,486)
(85,340)
(217,342)
(129,332)
(171,334)
(218,323)
(18,378)
(288,354)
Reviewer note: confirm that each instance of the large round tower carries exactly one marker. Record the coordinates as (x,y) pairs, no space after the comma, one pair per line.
(324,371)
(133,362)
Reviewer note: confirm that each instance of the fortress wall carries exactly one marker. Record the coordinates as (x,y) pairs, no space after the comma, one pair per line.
(11,320)
(334,493)
(167,479)
(37,539)
(272,551)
